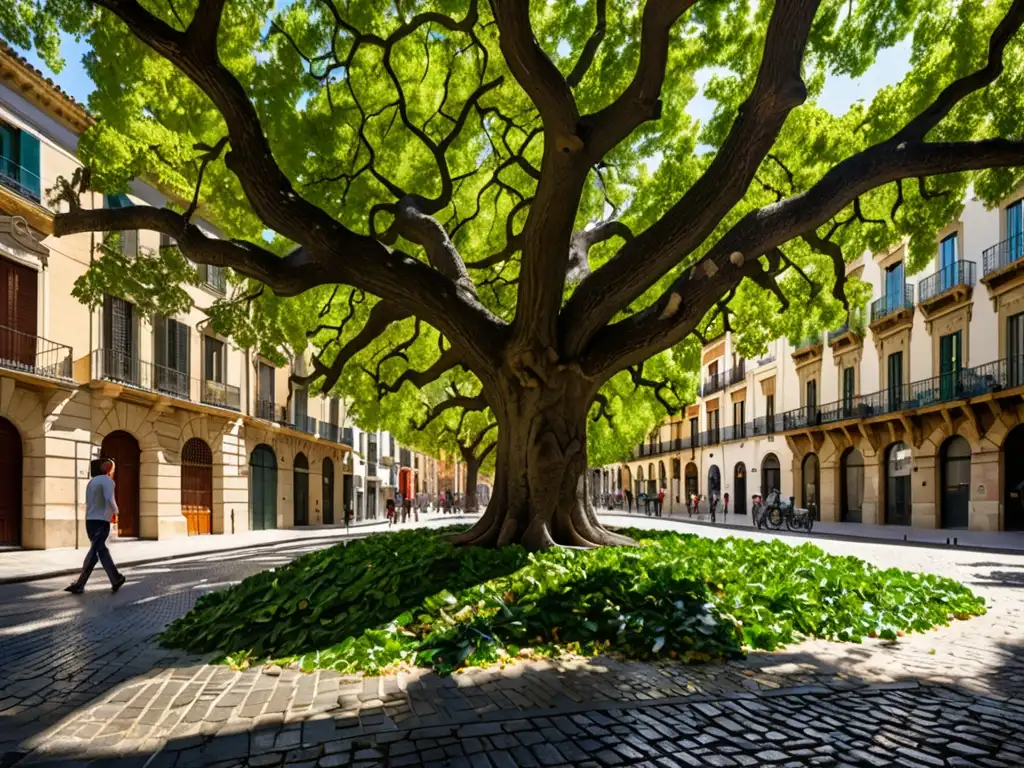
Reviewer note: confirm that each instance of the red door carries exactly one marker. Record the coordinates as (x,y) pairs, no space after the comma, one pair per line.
(124,450)
(10,482)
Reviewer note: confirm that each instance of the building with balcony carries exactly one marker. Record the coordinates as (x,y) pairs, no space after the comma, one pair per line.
(910,413)
(207,437)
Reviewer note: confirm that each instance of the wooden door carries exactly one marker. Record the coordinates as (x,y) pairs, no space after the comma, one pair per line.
(17,315)
(739,503)
(301,490)
(263,488)
(328,489)
(10,482)
(124,450)
(197,487)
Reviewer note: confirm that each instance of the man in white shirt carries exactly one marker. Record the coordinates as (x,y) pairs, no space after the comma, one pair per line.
(101,509)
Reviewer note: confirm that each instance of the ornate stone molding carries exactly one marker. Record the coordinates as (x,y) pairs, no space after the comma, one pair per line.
(16,233)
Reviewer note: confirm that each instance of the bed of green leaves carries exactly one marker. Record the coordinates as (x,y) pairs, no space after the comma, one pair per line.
(413,598)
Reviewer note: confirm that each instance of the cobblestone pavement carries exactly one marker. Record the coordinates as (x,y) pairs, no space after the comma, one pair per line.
(83,680)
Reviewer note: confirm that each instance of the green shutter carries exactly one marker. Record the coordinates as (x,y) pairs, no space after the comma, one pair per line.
(28,158)
(8,152)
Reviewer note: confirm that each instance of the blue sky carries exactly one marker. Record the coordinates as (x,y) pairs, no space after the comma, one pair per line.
(840,92)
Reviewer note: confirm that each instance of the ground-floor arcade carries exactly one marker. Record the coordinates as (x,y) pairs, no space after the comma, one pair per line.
(181,469)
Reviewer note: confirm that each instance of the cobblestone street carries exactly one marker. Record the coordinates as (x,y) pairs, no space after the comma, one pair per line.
(82,679)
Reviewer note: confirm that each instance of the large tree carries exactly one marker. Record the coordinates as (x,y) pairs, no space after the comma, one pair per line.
(525,180)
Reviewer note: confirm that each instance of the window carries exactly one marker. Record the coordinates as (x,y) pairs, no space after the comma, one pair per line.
(171,352)
(213,359)
(333,411)
(811,398)
(713,423)
(1015,348)
(300,400)
(1015,230)
(119,359)
(265,386)
(19,162)
(895,278)
(694,433)
(949,366)
(129,238)
(18,300)
(947,263)
(213,277)
(739,416)
(769,413)
(848,390)
(895,381)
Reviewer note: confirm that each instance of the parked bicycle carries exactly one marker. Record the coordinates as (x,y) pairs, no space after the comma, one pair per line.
(778,513)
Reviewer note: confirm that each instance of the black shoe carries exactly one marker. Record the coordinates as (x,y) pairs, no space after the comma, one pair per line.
(74,588)
(118,584)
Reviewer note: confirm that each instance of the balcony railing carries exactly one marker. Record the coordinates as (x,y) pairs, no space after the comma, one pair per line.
(222,395)
(305,423)
(810,340)
(890,305)
(957,273)
(738,372)
(713,383)
(268,410)
(1002,254)
(767,425)
(112,365)
(957,385)
(33,354)
(840,331)
(20,179)
(330,432)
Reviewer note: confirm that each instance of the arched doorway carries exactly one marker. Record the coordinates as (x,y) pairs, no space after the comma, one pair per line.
(300,489)
(1013,480)
(739,485)
(662,476)
(328,489)
(10,482)
(124,450)
(851,480)
(897,484)
(692,483)
(639,481)
(956,482)
(652,480)
(714,482)
(811,472)
(197,487)
(676,477)
(263,488)
(771,474)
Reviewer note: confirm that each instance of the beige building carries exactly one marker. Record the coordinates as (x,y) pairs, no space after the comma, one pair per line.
(909,414)
(208,438)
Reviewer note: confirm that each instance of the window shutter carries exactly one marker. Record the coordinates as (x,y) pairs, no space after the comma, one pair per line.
(25,300)
(28,158)
(182,348)
(160,340)
(8,151)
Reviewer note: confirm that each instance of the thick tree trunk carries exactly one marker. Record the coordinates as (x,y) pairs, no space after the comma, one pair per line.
(472,472)
(539,498)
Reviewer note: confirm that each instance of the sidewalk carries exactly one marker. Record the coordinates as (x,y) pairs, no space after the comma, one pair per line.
(994,541)
(33,564)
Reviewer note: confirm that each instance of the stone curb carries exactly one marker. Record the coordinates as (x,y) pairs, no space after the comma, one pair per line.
(823,535)
(341,536)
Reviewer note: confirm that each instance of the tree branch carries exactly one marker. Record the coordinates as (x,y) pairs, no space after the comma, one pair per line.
(475,403)
(778,89)
(590,47)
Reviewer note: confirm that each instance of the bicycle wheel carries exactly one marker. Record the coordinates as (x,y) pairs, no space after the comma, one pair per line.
(793,524)
(775,517)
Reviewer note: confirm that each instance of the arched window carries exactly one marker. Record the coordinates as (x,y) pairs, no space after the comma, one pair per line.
(851,476)
(262,488)
(812,482)
(898,460)
(662,477)
(692,481)
(956,482)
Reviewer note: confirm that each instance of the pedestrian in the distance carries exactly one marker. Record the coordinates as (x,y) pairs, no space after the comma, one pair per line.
(101,510)
(661,501)
(407,510)
(390,505)
(629,502)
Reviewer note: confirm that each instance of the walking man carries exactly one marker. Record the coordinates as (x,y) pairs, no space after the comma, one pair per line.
(101,509)
(629,502)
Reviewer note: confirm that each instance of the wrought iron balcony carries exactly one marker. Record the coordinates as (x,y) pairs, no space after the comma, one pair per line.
(890,305)
(20,180)
(222,395)
(112,365)
(713,383)
(738,372)
(767,425)
(305,423)
(330,432)
(34,354)
(268,410)
(950,276)
(1002,254)
(346,437)
(946,387)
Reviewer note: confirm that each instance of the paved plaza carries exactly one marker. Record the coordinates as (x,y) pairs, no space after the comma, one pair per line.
(82,680)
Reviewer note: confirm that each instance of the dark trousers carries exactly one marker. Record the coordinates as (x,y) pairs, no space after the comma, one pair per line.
(97,531)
